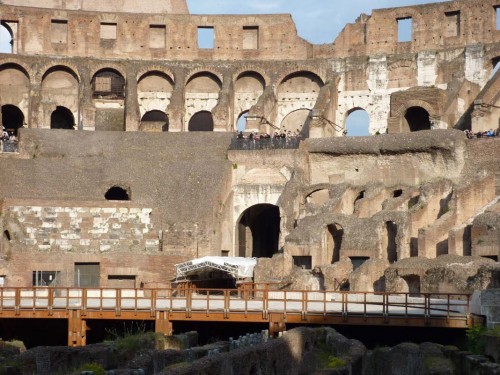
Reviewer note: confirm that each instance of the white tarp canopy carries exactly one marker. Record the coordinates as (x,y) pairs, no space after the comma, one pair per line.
(239,268)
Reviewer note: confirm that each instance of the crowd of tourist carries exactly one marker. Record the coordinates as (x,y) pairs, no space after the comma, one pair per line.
(8,141)
(486,134)
(256,141)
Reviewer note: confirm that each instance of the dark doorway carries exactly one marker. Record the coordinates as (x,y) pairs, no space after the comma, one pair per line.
(201,122)
(418,119)
(358,262)
(12,118)
(62,118)
(335,240)
(259,231)
(392,231)
(117,193)
(154,121)
(304,261)
(413,282)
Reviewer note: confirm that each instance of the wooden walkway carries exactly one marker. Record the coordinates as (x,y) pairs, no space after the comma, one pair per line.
(249,304)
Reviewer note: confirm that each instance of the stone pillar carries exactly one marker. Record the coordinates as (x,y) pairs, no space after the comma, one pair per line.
(176,108)
(132,113)
(34,120)
(222,112)
(86,112)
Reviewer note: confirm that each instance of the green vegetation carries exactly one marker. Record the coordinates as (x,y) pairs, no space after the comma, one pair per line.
(475,339)
(330,361)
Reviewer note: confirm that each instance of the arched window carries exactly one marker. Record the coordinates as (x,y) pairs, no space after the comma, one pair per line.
(6,39)
(12,118)
(62,118)
(116,193)
(154,121)
(201,122)
(358,123)
(241,124)
(258,231)
(418,119)
(108,84)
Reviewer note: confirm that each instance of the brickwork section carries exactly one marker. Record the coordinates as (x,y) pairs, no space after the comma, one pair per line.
(94,228)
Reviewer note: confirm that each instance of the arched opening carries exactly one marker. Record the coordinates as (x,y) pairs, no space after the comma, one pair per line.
(496,65)
(334,242)
(201,122)
(392,249)
(241,124)
(108,84)
(116,193)
(154,121)
(5,245)
(259,231)
(417,119)
(357,123)
(62,118)
(6,39)
(297,123)
(412,285)
(12,118)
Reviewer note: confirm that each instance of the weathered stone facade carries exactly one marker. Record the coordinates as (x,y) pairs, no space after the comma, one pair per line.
(97,68)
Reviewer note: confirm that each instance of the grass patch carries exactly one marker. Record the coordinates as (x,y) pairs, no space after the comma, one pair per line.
(96,368)
(330,361)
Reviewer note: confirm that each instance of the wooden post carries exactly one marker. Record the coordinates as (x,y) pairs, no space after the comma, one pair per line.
(163,324)
(77,328)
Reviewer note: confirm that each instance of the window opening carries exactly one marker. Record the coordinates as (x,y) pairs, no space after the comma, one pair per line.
(418,119)
(452,24)
(108,84)
(12,118)
(358,261)
(45,278)
(6,39)
(117,193)
(358,123)
(397,193)
(157,36)
(497,17)
(87,275)
(108,31)
(206,38)
(405,26)
(62,118)
(250,37)
(304,262)
(59,32)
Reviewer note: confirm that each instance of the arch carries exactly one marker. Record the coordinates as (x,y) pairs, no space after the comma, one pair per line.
(156,70)
(495,64)
(357,122)
(412,285)
(204,82)
(12,118)
(297,122)
(300,71)
(392,249)
(258,230)
(202,71)
(155,81)
(154,121)
(260,74)
(250,81)
(108,83)
(301,81)
(62,118)
(14,86)
(318,197)
(335,234)
(201,121)
(417,118)
(61,68)
(117,193)
(241,123)
(11,64)
(6,38)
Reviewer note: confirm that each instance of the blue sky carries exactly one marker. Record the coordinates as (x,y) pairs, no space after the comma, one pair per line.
(318,21)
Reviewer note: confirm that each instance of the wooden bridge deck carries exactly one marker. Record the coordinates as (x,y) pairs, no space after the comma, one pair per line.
(258,305)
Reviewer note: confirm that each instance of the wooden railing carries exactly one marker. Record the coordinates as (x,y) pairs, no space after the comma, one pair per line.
(256,299)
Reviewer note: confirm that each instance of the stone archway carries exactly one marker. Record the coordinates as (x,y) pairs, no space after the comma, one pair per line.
(201,122)
(417,118)
(12,118)
(258,231)
(62,118)
(154,121)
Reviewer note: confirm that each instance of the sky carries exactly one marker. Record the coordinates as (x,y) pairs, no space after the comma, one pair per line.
(317,21)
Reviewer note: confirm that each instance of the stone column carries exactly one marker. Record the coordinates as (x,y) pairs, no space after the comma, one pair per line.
(132,113)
